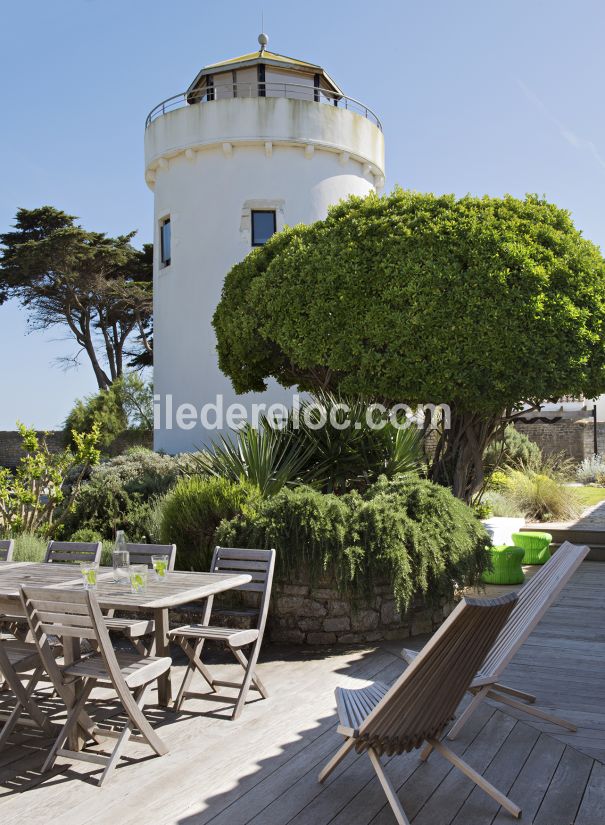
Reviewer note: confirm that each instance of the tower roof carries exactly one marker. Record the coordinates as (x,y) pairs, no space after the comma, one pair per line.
(269,59)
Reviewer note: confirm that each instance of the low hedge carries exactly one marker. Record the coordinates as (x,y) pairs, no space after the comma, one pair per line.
(409,531)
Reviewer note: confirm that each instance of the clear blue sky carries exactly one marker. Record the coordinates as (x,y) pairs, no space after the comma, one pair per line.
(475,96)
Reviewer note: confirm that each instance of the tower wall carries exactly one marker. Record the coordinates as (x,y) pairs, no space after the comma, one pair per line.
(209,165)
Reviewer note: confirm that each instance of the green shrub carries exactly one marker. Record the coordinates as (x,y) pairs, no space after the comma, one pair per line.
(191,512)
(515,449)
(29,548)
(540,497)
(121,494)
(408,531)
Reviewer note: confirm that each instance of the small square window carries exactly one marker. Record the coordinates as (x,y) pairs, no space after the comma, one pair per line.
(263,225)
(165,242)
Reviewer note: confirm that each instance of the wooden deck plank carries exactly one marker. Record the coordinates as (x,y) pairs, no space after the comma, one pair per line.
(511,759)
(592,807)
(566,790)
(533,779)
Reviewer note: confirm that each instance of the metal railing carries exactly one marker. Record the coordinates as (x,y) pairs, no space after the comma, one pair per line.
(294,91)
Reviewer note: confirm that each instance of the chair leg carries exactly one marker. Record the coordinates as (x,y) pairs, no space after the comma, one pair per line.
(30,706)
(71,722)
(139,697)
(520,694)
(468,712)
(532,711)
(479,780)
(255,680)
(335,760)
(194,663)
(426,752)
(249,675)
(389,790)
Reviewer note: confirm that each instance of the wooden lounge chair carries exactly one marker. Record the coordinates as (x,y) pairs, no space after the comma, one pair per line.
(22,669)
(416,709)
(259,564)
(534,600)
(72,615)
(73,552)
(135,629)
(7,548)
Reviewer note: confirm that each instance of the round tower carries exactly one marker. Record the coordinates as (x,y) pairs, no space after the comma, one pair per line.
(255,143)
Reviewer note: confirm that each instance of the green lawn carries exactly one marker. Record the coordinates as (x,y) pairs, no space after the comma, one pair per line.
(590,495)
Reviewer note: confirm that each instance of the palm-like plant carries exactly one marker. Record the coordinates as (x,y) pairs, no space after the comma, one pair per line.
(268,457)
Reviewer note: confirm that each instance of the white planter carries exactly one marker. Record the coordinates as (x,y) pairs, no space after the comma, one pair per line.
(501,528)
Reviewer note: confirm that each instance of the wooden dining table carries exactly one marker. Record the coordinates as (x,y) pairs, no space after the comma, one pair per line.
(176,589)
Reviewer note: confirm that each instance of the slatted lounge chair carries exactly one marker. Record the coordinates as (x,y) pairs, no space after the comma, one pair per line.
(135,629)
(379,720)
(7,548)
(22,670)
(72,615)
(73,552)
(259,564)
(534,600)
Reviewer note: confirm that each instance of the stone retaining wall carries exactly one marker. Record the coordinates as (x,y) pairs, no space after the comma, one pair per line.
(321,615)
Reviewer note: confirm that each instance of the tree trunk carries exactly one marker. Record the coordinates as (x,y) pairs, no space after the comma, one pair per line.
(458,458)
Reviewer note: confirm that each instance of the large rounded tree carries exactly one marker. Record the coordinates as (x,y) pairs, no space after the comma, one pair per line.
(483,304)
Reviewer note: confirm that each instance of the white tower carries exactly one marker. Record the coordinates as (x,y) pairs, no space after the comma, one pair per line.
(255,143)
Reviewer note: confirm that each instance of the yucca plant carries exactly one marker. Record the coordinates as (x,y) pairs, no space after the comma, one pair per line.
(267,457)
(348,451)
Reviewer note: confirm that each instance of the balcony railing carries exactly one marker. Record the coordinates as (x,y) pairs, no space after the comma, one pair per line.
(294,91)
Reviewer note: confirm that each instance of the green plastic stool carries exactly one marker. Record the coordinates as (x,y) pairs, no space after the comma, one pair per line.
(535,545)
(506,562)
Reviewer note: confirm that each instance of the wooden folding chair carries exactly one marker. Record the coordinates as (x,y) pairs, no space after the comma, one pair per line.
(260,565)
(534,600)
(135,629)
(379,720)
(22,670)
(7,548)
(73,615)
(73,552)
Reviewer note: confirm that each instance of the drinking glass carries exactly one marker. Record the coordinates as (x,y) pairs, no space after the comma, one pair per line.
(121,563)
(138,577)
(160,566)
(89,574)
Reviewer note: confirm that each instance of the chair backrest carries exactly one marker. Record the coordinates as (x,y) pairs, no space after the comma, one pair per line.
(259,564)
(534,600)
(7,548)
(68,614)
(73,552)
(424,699)
(142,553)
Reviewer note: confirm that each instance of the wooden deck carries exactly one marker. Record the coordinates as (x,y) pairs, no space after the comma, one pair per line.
(262,770)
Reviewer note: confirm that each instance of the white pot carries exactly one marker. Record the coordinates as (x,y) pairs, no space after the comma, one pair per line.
(501,528)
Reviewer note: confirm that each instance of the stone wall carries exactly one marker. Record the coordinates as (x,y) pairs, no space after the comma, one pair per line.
(573,436)
(321,615)
(10,445)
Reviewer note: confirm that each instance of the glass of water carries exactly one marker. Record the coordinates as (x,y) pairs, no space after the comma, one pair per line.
(138,577)
(160,567)
(89,574)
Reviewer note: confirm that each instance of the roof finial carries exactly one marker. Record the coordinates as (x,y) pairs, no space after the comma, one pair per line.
(263,39)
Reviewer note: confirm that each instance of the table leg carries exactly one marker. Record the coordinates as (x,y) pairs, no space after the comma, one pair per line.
(162,648)
(71,652)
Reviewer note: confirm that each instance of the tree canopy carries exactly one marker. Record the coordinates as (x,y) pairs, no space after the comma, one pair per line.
(97,286)
(479,303)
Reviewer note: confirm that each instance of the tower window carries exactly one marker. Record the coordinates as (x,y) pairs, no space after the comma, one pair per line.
(165,242)
(263,225)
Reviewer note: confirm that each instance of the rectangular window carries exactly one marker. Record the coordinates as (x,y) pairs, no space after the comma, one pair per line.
(263,225)
(165,242)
